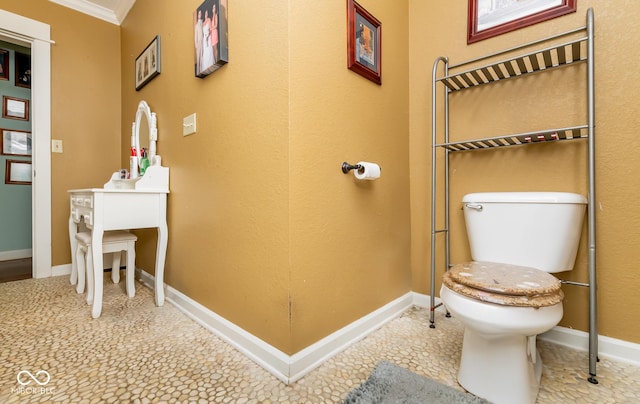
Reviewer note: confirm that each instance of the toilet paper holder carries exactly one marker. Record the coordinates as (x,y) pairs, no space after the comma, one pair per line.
(346,167)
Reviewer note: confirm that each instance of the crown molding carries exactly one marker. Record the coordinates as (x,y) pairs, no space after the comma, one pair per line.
(113,16)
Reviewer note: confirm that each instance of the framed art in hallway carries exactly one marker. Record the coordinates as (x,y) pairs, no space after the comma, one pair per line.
(364,42)
(16,142)
(148,63)
(23,70)
(17,172)
(489,18)
(4,64)
(15,108)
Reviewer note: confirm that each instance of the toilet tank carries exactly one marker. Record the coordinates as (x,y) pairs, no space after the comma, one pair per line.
(533,229)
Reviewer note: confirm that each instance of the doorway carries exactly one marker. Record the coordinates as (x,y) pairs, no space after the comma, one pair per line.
(15,185)
(36,35)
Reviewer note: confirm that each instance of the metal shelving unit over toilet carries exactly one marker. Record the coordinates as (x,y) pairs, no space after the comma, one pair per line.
(564,49)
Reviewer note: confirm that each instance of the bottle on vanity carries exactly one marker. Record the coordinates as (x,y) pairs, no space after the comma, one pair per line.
(133,164)
(144,161)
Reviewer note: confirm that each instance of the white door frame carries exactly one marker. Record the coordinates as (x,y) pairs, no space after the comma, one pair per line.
(35,34)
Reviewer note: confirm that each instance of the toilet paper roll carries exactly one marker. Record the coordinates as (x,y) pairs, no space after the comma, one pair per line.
(369,171)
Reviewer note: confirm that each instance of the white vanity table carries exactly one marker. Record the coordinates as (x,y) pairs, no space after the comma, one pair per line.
(121,205)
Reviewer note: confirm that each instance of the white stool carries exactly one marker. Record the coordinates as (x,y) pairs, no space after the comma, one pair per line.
(112,242)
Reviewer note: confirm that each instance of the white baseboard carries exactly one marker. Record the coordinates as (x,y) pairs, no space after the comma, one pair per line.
(15,254)
(314,355)
(610,348)
(424,301)
(59,270)
(284,367)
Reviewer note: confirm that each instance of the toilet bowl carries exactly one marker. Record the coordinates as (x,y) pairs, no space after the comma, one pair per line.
(507,295)
(499,360)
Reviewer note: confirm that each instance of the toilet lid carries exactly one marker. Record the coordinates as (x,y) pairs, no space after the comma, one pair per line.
(504,284)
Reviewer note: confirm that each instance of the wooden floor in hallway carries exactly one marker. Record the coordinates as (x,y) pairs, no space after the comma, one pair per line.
(15,270)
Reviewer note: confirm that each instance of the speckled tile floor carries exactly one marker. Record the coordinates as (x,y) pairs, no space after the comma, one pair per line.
(138,353)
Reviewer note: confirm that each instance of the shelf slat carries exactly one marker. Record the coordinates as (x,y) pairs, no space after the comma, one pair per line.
(555,56)
(521,139)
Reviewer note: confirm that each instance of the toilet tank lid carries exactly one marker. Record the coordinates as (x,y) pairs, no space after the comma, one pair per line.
(525,197)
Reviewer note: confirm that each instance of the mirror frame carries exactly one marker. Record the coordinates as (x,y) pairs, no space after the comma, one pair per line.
(144,111)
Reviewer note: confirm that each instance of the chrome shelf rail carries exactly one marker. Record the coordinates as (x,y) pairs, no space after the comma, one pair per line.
(549,53)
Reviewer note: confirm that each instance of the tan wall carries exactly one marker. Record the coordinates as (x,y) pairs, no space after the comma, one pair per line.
(349,240)
(548,100)
(85,108)
(228,208)
(264,229)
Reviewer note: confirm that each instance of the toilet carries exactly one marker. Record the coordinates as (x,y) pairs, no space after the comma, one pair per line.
(506,295)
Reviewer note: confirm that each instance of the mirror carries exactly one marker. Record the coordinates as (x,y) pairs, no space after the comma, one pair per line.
(144,133)
(145,124)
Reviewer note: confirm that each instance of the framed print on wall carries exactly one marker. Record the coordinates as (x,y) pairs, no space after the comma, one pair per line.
(17,172)
(148,63)
(489,18)
(4,64)
(23,70)
(16,142)
(364,42)
(15,108)
(210,34)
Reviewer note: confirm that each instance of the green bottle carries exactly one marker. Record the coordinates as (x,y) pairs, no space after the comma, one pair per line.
(144,161)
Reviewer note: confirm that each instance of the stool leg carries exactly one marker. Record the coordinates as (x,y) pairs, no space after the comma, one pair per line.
(74,269)
(131,269)
(81,269)
(89,272)
(115,267)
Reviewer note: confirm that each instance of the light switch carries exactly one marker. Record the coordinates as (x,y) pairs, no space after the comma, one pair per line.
(189,125)
(56,146)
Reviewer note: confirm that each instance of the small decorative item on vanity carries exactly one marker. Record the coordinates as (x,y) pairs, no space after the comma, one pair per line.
(364,42)
(210,35)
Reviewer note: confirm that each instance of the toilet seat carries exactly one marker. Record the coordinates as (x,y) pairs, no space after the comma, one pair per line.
(504,284)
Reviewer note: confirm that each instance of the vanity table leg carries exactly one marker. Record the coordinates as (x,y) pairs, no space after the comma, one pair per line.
(96,249)
(161,251)
(73,229)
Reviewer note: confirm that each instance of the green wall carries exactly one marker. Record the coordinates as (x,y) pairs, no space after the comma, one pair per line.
(15,200)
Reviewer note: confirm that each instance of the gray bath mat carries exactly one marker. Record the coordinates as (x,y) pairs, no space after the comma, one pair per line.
(389,383)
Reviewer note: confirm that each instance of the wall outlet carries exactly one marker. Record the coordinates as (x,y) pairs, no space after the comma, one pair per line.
(189,125)
(56,146)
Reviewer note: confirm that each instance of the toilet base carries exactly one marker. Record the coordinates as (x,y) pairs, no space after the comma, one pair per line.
(498,368)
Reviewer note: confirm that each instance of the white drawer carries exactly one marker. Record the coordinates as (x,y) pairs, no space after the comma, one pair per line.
(82,200)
